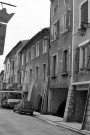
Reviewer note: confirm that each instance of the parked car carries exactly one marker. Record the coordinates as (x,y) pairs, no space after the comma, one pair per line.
(24,107)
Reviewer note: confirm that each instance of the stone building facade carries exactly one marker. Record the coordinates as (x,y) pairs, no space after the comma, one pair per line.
(78,102)
(60,54)
(11,67)
(34,70)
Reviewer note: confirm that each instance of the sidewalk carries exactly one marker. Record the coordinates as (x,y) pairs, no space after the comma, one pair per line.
(57,121)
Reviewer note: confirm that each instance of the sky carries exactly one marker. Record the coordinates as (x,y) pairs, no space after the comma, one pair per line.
(30,17)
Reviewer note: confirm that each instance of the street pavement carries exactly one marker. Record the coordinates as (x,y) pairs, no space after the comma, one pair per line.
(18,124)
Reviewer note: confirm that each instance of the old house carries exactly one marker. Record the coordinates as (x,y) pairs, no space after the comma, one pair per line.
(34,69)
(78,102)
(60,54)
(11,67)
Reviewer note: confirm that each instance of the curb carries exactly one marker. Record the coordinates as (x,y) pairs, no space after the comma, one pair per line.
(62,125)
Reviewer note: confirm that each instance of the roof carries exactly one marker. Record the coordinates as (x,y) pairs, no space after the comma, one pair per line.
(23,42)
(35,37)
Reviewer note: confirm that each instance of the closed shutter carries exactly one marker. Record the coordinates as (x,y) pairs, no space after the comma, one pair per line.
(77,60)
(57,29)
(62,24)
(68,19)
(52,33)
(88,57)
(84,12)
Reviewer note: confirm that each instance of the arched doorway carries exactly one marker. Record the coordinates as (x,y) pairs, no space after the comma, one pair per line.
(38,103)
(61,109)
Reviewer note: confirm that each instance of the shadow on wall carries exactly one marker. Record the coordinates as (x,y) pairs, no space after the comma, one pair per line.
(61,109)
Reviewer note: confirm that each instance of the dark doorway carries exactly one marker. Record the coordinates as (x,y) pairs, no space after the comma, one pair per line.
(61,109)
(79,105)
(39,105)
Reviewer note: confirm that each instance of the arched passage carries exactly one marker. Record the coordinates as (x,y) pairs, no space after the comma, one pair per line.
(61,109)
(38,103)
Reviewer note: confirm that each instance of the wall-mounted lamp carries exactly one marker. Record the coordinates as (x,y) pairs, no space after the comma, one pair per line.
(82,30)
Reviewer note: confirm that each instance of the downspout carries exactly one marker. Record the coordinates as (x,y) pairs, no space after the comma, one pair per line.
(48,61)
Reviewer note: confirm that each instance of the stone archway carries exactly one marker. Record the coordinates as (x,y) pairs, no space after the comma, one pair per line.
(38,102)
(61,109)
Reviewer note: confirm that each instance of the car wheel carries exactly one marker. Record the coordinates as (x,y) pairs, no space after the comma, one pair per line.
(13,110)
(31,113)
(19,111)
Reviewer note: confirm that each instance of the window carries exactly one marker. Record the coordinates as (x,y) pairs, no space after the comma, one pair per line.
(84,13)
(55,8)
(32,52)
(22,60)
(37,49)
(37,72)
(65,1)
(54,65)
(65,61)
(44,72)
(67,20)
(82,57)
(77,53)
(27,56)
(45,44)
(30,75)
(56,30)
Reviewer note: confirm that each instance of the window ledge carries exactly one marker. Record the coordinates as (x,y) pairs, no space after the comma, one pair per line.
(64,73)
(53,76)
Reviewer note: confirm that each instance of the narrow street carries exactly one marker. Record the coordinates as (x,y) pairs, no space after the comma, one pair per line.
(18,124)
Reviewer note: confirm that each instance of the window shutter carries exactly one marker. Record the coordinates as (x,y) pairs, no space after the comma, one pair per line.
(88,57)
(77,60)
(88,11)
(62,24)
(68,19)
(57,29)
(84,12)
(52,33)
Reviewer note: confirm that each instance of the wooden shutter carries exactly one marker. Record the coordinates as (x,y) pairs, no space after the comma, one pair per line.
(62,24)
(84,12)
(88,57)
(68,19)
(57,29)
(77,60)
(51,32)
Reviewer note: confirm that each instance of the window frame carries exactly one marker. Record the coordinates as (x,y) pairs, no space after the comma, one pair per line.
(54,70)
(54,6)
(32,53)
(37,49)
(80,11)
(83,45)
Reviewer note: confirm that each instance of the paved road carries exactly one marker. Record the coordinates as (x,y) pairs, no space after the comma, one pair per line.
(16,124)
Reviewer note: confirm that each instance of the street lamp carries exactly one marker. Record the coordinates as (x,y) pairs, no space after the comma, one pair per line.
(82,30)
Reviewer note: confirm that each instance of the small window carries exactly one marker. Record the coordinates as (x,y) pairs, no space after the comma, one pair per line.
(54,65)
(83,58)
(45,44)
(27,56)
(55,8)
(37,49)
(84,12)
(44,72)
(56,30)
(37,72)
(65,1)
(65,61)
(30,75)
(32,52)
